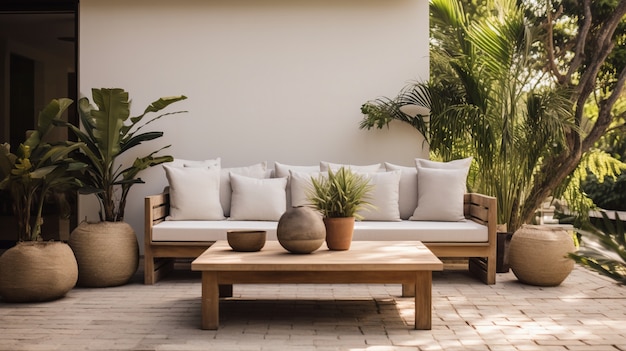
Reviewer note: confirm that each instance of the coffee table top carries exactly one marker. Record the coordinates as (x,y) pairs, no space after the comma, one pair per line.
(362,256)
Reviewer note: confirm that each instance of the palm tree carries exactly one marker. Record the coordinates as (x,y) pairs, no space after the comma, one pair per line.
(527,88)
(484,101)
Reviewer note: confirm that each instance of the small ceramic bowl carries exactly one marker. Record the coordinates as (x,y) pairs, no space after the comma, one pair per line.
(246,240)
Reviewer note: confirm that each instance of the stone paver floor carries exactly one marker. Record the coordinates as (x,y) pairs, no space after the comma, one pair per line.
(586,312)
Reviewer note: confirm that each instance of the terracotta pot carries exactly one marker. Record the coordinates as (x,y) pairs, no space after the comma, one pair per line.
(339,232)
(107,253)
(538,254)
(34,271)
(301,230)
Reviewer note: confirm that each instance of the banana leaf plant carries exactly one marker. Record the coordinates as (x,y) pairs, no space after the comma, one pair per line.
(39,169)
(603,248)
(109,131)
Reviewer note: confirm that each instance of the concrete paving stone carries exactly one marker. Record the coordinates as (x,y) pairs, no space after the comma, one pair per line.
(587,310)
(186,347)
(595,347)
(377,341)
(524,347)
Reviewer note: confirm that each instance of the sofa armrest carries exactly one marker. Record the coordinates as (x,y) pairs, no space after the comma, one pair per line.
(156,208)
(483,209)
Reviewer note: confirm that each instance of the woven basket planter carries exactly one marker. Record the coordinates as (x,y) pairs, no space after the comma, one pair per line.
(107,253)
(538,254)
(37,271)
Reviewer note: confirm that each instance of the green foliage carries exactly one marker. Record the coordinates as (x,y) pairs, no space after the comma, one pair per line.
(484,101)
(603,248)
(109,131)
(600,179)
(608,194)
(526,87)
(340,194)
(39,169)
(596,163)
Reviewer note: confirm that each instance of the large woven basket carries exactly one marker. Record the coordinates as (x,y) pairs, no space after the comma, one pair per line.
(107,253)
(37,271)
(538,254)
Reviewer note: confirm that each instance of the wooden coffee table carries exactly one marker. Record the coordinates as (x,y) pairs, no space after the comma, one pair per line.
(408,263)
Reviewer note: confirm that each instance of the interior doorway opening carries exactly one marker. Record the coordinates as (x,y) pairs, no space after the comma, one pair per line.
(38,63)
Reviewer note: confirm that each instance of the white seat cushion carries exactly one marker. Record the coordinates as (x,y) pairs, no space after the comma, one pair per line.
(426,231)
(462,232)
(207,230)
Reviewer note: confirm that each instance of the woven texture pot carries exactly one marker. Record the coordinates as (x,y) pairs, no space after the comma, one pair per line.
(107,253)
(37,271)
(339,232)
(301,230)
(538,254)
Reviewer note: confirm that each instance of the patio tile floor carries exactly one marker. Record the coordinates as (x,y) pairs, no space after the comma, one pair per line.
(586,312)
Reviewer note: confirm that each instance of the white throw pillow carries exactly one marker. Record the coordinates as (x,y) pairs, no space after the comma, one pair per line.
(210,163)
(301,183)
(282,170)
(383,196)
(407,199)
(463,163)
(254,171)
(324,166)
(440,194)
(257,199)
(194,193)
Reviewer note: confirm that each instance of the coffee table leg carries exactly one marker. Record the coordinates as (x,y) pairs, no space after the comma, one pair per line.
(210,301)
(408,290)
(423,300)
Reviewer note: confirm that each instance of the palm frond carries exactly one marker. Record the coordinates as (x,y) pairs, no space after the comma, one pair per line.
(603,248)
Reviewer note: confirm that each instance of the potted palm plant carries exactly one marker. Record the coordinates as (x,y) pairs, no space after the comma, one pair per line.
(485,101)
(339,197)
(34,270)
(107,251)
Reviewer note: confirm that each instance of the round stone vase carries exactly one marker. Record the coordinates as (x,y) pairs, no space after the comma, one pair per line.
(538,254)
(301,230)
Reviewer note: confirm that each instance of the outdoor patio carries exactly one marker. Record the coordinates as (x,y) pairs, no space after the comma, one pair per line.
(587,312)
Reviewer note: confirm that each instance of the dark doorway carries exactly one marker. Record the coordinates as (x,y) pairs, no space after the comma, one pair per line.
(21,98)
(39,38)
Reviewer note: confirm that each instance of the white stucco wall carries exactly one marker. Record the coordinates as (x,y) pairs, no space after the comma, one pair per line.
(267,80)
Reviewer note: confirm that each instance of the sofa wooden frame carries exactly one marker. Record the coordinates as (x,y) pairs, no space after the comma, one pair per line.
(159,256)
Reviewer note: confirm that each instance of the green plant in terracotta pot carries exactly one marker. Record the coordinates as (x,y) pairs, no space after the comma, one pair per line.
(339,197)
(108,252)
(35,270)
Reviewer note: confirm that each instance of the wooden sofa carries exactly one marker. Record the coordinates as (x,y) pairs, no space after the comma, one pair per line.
(160,254)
